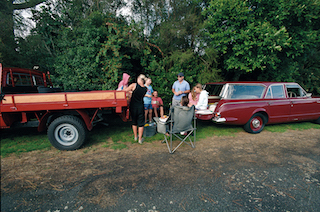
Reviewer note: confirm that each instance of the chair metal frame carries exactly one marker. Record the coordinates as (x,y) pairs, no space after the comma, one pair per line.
(183,139)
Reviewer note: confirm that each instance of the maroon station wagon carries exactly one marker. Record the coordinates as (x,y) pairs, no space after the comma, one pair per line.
(254,104)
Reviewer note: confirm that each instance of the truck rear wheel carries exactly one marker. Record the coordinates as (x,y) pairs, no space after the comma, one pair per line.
(255,124)
(67,133)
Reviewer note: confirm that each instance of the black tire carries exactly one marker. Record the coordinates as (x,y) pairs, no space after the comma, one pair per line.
(67,133)
(255,124)
(318,121)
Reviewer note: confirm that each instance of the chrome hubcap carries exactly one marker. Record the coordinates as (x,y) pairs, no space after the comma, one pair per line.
(256,123)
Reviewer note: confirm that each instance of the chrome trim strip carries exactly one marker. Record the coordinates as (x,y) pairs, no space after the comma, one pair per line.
(262,101)
(214,97)
(219,120)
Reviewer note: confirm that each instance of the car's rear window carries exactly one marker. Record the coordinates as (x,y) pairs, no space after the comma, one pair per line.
(243,91)
(23,79)
(214,89)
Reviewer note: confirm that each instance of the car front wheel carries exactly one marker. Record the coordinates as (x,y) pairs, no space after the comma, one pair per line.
(255,124)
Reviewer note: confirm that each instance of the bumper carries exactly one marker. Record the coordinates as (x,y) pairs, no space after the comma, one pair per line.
(219,120)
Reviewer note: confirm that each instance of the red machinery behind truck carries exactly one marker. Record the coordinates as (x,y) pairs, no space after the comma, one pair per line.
(27,101)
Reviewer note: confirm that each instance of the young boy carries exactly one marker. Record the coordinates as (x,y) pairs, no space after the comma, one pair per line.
(147,101)
(157,104)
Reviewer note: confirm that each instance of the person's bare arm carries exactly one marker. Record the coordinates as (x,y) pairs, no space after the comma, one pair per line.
(130,88)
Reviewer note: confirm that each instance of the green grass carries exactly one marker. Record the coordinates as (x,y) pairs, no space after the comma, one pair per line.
(119,134)
(291,126)
(208,128)
(23,140)
(118,146)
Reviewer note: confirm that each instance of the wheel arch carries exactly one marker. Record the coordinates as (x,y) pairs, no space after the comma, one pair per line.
(261,111)
(52,115)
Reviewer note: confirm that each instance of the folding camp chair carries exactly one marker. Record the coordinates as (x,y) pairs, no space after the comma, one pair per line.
(181,120)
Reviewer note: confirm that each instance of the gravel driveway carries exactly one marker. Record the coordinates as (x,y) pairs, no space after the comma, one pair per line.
(263,172)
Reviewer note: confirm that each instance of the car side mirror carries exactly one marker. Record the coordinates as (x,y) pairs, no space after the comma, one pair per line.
(309,95)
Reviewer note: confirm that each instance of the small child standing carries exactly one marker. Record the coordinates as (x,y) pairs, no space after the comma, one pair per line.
(157,104)
(147,101)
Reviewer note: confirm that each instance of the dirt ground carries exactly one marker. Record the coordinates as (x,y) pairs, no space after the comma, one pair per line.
(262,172)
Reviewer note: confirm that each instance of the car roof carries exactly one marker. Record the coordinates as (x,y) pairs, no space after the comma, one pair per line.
(246,82)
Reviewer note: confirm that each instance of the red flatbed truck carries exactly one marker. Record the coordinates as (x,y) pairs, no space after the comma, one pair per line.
(67,116)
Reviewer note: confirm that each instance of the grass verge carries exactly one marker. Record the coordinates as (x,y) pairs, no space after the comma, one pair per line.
(23,140)
(119,134)
(291,126)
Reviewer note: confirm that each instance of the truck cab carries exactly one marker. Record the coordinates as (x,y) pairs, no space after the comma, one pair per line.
(18,80)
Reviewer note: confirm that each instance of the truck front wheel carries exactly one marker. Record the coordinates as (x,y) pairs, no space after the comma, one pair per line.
(67,133)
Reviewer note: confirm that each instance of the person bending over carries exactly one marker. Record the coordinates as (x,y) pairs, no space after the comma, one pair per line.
(138,91)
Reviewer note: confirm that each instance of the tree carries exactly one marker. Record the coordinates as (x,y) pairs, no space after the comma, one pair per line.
(76,66)
(95,53)
(262,39)
(8,46)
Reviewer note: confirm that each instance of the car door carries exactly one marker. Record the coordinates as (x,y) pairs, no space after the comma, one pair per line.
(302,106)
(279,105)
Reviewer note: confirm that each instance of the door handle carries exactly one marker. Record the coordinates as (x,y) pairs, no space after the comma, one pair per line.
(292,103)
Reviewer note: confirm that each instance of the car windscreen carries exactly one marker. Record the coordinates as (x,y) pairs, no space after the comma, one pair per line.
(243,91)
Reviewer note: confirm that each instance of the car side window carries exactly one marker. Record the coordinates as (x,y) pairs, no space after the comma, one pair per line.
(275,91)
(243,91)
(268,95)
(295,91)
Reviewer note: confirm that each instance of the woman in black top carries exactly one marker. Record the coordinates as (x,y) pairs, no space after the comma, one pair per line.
(136,106)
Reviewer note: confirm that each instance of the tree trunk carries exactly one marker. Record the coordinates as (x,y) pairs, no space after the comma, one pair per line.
(8,46)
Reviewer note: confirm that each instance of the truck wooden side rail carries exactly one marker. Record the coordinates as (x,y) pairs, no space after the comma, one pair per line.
(67,115)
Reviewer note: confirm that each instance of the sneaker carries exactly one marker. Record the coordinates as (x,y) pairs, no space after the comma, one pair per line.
(141,141)
(135,138)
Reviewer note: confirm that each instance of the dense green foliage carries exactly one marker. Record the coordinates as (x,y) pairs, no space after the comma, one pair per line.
(266,40)
(88,45)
